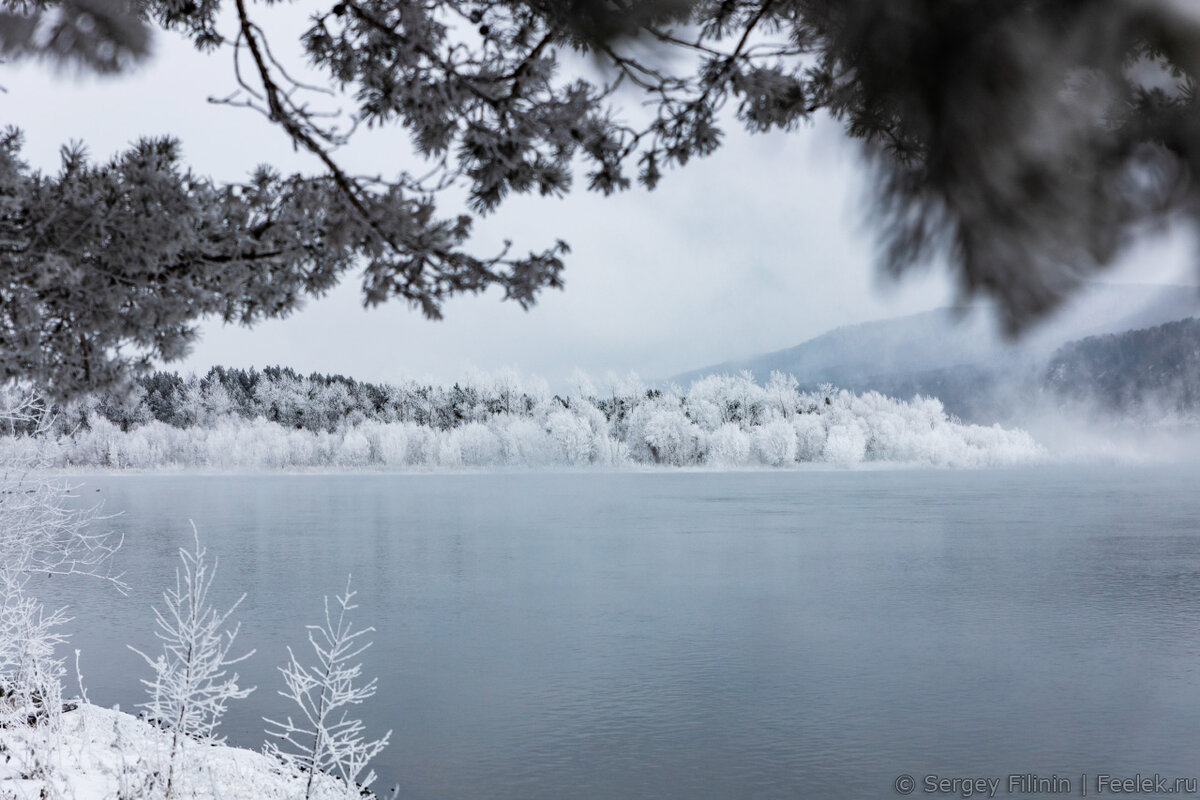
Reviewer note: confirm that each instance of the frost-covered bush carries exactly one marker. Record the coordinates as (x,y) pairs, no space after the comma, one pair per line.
(355,450)
(810,436)
(775,443)
(43,532)
(572,437)
(661,433)
(192,682)
(324,739)
(472,445)
(387,443)
(525,442)
(728,446)
(845,444)
(706,403)
(717,399)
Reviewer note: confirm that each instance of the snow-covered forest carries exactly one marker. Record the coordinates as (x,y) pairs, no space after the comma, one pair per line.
(278,419)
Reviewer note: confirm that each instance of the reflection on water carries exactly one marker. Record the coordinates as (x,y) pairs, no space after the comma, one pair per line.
(798,634)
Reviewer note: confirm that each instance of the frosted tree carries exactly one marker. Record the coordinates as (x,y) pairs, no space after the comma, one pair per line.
(30,673)
(190,409)
(192,683)
(283,397)
(507,385)
(326,738)
(217,401)
(782,391)
(43,532)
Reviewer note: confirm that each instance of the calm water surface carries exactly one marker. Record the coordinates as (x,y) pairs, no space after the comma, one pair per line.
(771,634)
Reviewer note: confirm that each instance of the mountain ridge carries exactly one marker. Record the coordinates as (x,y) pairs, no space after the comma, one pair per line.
(946,338)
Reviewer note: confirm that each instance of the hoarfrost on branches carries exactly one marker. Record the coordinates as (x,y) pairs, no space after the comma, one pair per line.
(325,738)
(192,683)
(277,419)
(43,532)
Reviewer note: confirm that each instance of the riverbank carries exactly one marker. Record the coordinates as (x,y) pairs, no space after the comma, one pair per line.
(721,423)
(94,753)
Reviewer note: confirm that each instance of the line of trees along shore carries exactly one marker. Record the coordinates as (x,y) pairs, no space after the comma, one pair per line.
(276,418)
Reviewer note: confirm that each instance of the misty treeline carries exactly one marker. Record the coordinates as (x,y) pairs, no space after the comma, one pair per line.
(276,418)
(1148,376)
(1154,370)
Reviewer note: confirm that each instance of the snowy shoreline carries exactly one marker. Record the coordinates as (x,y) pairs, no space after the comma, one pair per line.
(841,429)
(276,419)
(799,468)
(95,753)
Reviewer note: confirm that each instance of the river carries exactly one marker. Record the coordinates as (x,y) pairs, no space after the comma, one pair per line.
(704,635)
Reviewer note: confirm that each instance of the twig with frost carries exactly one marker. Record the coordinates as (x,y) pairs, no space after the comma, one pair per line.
(83,695)
(326,739)
(42,529)
(192,683)
(30,674)
(42,532)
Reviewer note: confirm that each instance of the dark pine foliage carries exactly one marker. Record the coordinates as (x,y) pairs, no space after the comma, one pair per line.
(1027,142)
(317,402)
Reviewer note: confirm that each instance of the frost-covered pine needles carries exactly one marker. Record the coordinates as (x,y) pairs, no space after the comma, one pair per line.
(326,739)
(192,683)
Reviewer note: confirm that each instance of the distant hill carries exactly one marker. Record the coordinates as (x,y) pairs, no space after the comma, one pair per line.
(930,340)
(1156,369)
(962,359)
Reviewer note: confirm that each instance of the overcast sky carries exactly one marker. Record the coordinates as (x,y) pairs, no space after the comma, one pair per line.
(756,248)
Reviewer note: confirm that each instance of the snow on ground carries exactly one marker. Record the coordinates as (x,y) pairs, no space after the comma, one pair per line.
(95,753)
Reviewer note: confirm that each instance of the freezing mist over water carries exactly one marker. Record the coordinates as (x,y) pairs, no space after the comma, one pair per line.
(766,634)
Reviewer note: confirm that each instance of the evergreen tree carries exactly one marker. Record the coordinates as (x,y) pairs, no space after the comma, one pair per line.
(1027,141)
